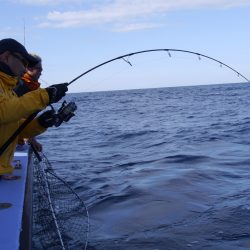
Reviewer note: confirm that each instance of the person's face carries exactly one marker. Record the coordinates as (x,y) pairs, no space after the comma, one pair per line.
(17,63)
(36,71)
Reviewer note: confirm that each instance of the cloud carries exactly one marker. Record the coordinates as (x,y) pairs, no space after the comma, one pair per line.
(45,2)
(136,14)
(135,26)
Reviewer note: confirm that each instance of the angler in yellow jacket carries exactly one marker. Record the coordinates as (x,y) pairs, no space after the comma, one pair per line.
(13,60)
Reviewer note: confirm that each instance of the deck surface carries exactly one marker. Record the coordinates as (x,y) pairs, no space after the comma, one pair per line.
(13,192)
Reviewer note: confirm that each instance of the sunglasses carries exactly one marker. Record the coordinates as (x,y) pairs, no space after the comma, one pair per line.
(21,59)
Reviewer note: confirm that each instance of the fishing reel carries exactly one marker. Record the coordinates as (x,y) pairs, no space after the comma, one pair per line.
(64,113)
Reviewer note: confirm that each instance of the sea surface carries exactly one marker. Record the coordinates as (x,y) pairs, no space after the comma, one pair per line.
(165,168)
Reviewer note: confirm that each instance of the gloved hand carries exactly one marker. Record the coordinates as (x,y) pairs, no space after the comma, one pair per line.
(47,119)
(57,92)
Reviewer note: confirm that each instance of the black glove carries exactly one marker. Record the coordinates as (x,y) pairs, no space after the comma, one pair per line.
(47,119)
(21,88)
(57,92)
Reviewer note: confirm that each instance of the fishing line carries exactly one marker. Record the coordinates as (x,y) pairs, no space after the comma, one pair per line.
(43,81)
(126,57)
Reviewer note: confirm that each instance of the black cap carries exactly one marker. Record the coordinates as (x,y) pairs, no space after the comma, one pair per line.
(12,45)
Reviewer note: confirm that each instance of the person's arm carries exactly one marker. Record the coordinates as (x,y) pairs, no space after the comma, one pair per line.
(34,128)
(15,108)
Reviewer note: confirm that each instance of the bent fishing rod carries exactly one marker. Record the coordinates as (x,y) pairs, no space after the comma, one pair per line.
(126,56)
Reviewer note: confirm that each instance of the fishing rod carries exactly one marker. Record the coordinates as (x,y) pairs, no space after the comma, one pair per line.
(123,57)
(68,108)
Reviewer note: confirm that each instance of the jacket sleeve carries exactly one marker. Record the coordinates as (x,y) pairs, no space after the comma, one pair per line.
(14,108)
(32,129)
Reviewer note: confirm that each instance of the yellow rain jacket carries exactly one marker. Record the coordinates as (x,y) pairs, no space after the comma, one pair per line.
(12,110)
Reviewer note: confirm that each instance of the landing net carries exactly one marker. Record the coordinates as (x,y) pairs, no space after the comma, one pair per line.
(60,216)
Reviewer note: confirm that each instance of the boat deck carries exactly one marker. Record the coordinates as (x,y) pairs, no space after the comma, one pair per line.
(13,192)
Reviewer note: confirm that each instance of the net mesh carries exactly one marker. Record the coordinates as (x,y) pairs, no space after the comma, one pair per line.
(60,217)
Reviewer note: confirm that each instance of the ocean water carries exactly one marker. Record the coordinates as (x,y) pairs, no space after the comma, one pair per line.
(164,168)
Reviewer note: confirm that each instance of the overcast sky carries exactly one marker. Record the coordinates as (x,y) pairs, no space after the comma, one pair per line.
(74,35)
